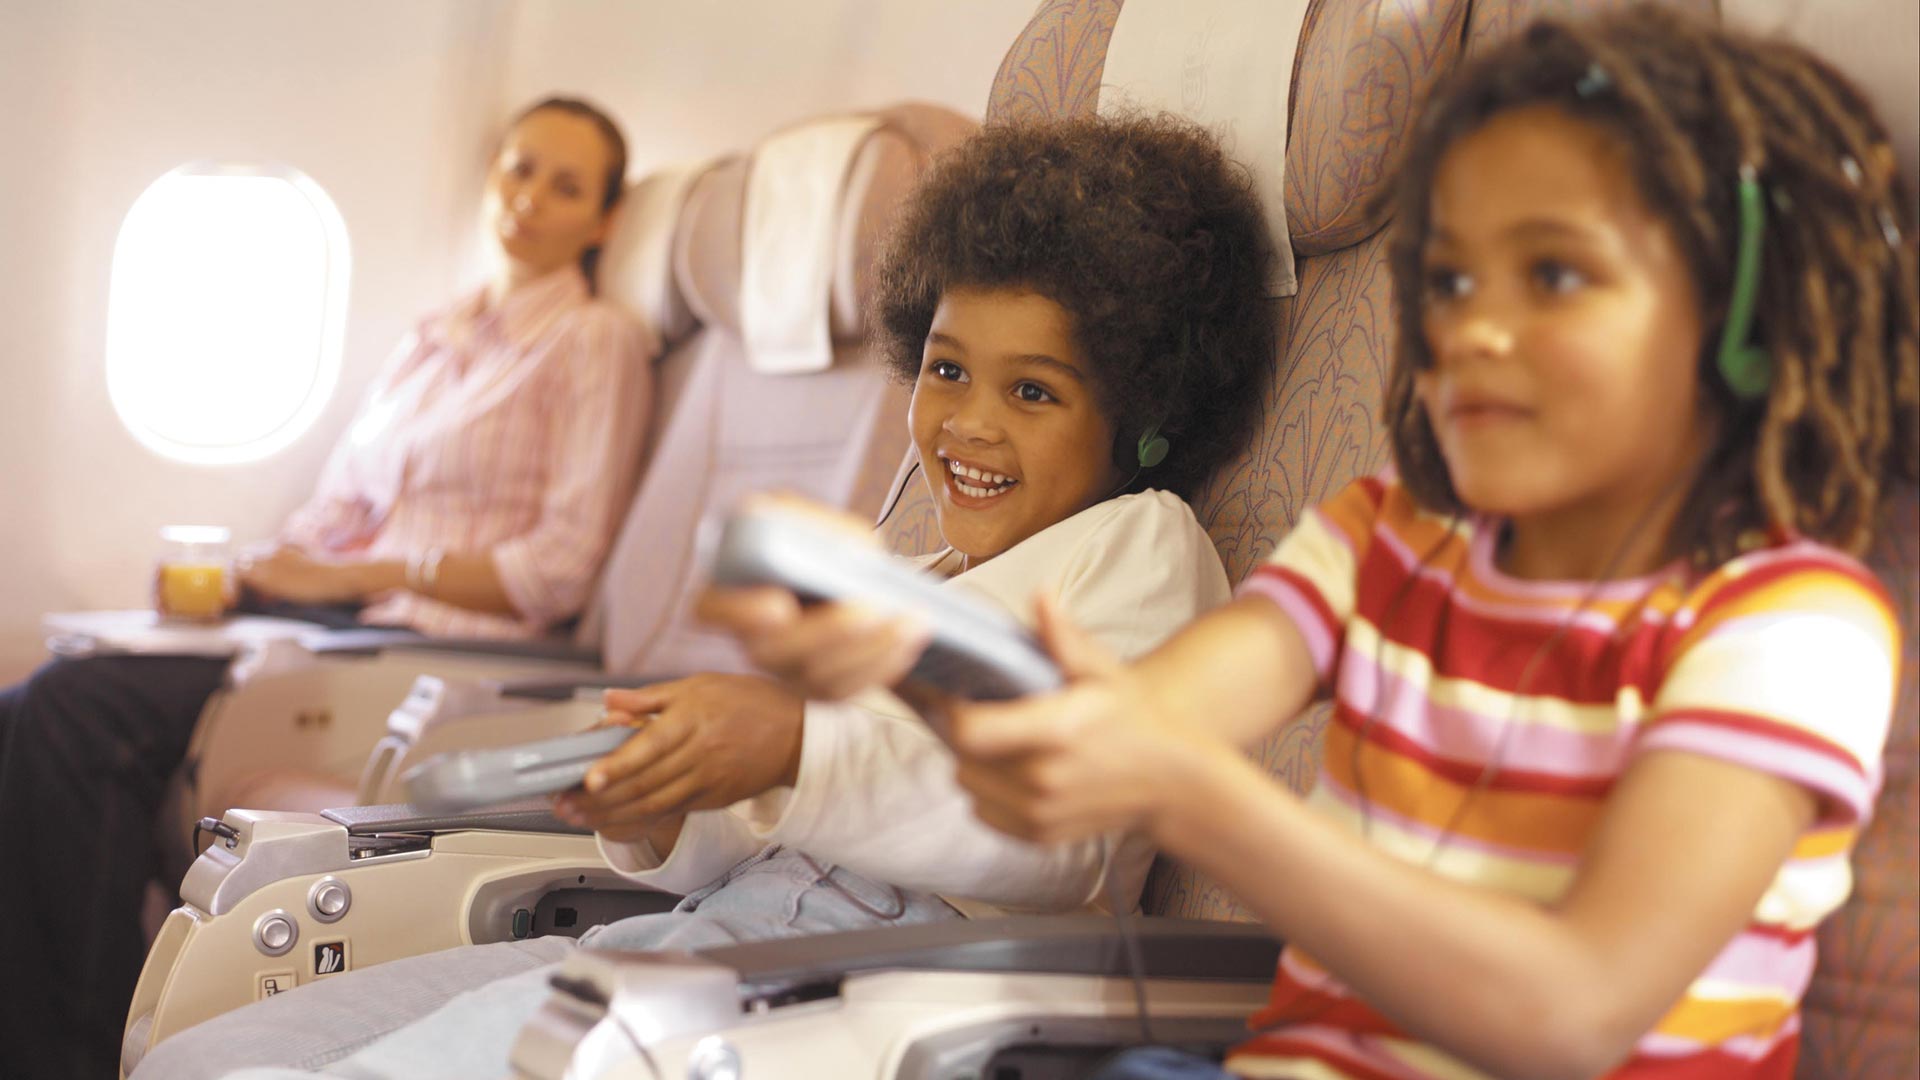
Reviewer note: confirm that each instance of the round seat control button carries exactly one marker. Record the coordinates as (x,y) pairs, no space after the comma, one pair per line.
(329,899)
(275,932)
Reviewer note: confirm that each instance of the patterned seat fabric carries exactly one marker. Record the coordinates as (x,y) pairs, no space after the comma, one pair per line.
(1361,72)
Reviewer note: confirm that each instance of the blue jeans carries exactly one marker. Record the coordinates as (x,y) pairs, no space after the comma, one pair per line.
(1159,1063)
(456,1013)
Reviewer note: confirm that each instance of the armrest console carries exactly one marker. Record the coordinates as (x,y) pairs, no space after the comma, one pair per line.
(1055,945)
(1210,974)
(374,641)
(525,816)
(364,642)
(566,689)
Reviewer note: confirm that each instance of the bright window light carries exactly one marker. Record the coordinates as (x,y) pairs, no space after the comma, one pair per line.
(226,311)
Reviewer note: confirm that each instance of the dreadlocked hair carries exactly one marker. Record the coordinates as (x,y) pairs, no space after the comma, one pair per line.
(1838,308)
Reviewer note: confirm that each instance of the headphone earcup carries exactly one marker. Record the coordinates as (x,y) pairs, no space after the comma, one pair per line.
(1153,449)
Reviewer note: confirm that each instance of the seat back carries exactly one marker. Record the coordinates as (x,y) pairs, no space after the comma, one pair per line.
(277,739)
(833,434)
(1361,71)
(1861,1015)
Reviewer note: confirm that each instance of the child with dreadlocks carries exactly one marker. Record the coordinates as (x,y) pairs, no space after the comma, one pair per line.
(1610,687)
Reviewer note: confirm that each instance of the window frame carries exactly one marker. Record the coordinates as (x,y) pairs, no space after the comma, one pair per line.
(325,378)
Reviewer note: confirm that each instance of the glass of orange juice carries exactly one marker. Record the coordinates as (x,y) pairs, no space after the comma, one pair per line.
(194,579)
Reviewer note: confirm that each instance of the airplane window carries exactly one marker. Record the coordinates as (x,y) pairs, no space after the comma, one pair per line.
(225,311)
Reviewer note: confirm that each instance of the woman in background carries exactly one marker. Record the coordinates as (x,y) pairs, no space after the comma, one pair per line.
(475,494)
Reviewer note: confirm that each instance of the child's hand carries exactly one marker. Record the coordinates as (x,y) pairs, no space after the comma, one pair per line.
(827,651)
(700,744)
(1099,756)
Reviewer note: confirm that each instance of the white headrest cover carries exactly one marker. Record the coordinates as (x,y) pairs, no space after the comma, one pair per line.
(1227,64)
(790,243)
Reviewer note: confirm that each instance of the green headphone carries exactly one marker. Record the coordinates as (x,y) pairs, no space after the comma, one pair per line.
(1153,447)
(1746,368)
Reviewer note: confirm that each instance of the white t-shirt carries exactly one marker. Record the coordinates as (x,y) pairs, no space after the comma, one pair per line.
(876,791)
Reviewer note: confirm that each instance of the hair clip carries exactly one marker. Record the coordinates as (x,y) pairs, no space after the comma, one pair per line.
(1594,82)
(1889,229)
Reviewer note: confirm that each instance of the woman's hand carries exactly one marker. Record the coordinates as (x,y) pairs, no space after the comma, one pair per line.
(1104,754)
(827,651)
(702,743)
(288,573)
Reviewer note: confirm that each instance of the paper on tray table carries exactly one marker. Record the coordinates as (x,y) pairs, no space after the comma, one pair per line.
(143,632)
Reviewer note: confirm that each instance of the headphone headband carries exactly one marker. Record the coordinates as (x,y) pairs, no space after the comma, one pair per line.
(1746,368)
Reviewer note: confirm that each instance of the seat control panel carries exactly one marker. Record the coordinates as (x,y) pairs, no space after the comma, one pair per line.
(275,932)
(329,899)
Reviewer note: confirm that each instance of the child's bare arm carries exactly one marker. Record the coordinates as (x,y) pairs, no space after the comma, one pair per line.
(1237,673)
(1681,857)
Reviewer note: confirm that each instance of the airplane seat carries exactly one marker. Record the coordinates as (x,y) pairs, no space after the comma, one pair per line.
(830,426)
(829,433)
(832,432)
(1361,70)
(1861,1014)
(296,717)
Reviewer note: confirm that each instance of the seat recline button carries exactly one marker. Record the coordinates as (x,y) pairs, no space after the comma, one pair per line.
(329,899)
(275,932)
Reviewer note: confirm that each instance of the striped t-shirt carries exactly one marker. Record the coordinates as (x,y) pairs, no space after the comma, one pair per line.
(1781,660)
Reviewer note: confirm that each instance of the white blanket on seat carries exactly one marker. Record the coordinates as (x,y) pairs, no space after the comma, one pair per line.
(791,243)
(1227,64)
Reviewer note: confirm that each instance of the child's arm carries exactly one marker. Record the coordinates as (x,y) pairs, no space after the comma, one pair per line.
(1684,850)
(1230,677)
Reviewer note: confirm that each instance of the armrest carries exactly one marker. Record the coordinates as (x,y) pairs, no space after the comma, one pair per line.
(1035,944)
(661,996)
(525,816)
(257,848)
(374,641)
(550,689)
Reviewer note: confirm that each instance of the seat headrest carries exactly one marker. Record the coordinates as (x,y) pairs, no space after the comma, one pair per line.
(1362,72)
(871,180)
(1227,65)
(636,264)
(880,177)
(1359,69)
(706,247)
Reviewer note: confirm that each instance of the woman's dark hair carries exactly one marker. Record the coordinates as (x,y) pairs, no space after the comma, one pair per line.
(614,183)
(1838,306)
(1144,232)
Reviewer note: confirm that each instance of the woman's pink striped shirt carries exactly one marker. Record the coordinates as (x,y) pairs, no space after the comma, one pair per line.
(512,430)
